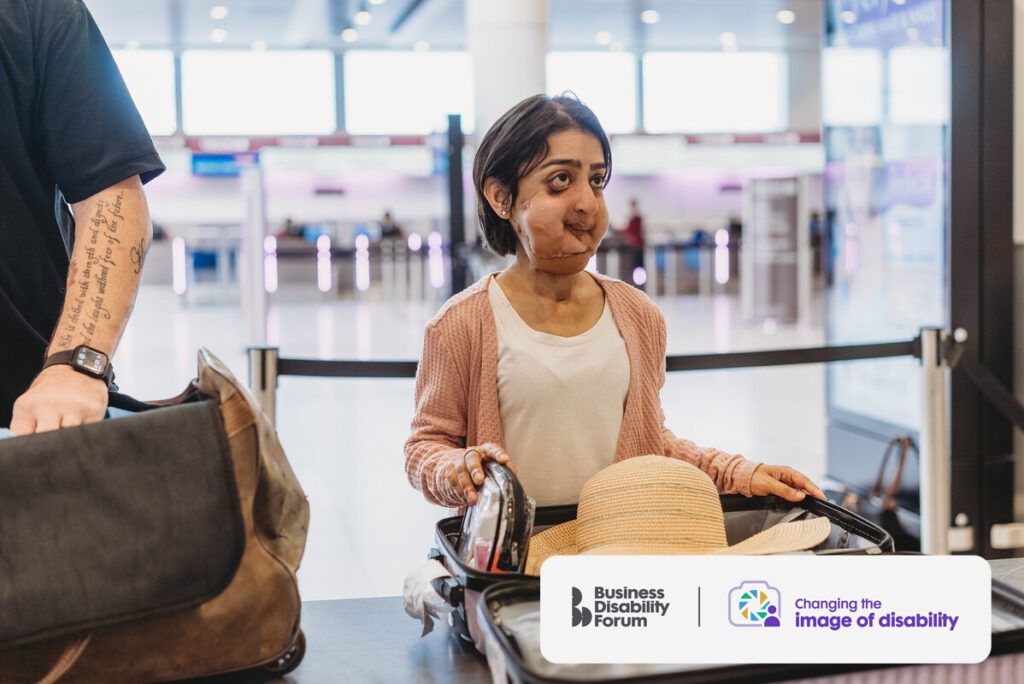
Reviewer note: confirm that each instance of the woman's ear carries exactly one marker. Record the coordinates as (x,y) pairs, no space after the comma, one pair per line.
(497,197)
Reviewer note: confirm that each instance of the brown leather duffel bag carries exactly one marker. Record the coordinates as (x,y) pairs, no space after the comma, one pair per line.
(154,547)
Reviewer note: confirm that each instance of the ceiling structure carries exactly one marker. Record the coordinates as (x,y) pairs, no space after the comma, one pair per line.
(440,24)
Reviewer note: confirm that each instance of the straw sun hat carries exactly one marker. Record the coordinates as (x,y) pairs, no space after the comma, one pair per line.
(655,505)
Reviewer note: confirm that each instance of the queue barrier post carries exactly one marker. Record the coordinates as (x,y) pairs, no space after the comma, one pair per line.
(933,449)
(263,379)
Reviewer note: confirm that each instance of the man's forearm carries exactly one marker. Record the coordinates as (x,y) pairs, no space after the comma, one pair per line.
(112,235)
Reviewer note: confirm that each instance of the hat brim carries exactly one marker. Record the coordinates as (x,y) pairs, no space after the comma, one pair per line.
(790,537)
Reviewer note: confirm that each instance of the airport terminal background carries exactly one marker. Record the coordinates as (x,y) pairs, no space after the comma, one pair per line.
(342,106)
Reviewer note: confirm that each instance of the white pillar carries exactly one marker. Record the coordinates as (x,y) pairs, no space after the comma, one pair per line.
(507,43)
(254,230)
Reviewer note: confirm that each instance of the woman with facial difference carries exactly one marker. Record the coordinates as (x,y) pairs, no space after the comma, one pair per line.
(546,367)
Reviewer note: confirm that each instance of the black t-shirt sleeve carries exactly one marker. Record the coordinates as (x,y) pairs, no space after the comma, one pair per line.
(90,131)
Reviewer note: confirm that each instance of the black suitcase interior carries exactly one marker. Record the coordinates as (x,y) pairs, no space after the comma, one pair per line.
(744,517)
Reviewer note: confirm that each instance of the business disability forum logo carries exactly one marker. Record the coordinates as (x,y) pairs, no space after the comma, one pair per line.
(754,603)
(618,607)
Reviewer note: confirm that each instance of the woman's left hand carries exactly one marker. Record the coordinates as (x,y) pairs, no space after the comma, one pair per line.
(784,482)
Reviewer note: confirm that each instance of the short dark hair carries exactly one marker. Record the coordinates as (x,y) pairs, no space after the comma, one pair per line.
(513,147)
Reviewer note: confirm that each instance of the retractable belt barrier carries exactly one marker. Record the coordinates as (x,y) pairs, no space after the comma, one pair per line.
(323,368)
(938,351)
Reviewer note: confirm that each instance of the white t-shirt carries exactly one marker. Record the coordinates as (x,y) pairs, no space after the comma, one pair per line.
(561,400)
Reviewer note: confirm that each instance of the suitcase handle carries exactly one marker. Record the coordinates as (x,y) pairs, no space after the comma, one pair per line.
(450,590)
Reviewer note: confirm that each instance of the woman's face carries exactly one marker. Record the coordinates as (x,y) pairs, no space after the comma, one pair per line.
(560,214)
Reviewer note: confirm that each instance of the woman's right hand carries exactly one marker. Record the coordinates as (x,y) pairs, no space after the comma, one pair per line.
(466,474)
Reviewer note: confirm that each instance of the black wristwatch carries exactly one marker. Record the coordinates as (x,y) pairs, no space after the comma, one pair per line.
(85,360)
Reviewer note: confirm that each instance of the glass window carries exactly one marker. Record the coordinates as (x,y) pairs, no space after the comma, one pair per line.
(149,75)
(885,97)
(715,92)
(406,93)
(278,92)
(604,81)
(918,90)
(852,94)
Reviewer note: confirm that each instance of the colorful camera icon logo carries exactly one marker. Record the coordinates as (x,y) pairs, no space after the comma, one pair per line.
(755,604)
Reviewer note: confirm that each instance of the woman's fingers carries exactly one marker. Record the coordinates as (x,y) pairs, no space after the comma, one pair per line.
(460,479)
(786,492)
(498,455)
(801,481)
(473,463)
(494,452)
(466,483)
(467,472)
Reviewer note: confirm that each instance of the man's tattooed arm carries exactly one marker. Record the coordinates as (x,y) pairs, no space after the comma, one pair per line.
(111,236)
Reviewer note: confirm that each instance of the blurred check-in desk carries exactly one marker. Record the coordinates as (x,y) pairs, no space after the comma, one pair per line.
(199,261)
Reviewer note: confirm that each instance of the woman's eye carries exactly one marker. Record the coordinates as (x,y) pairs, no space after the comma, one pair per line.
(560,182)
(597,181)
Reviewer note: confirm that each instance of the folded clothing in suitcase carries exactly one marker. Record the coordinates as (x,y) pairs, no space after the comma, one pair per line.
(744,517)
(154,547)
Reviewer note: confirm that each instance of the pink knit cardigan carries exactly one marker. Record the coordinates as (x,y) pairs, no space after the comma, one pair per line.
(457,393)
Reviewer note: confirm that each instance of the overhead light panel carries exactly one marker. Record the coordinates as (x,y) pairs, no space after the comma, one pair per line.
(650,16)
(786,16)
(218,35)
(377,2)
(728,40)
(218,12)
(848,16)
(362,18)
(603,37)
(350,35)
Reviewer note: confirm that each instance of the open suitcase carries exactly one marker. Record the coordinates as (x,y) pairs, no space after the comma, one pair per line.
(744,517)
(508,614)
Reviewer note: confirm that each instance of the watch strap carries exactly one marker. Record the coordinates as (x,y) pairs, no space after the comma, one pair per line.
(67,357)
(59,358)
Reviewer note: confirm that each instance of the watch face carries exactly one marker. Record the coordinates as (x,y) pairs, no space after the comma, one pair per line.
(91,361)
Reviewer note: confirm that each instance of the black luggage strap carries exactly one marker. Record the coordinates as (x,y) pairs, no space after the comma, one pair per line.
(449,589)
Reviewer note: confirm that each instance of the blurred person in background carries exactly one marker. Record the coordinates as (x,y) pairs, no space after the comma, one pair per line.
(389,230)
(74,222)
(291,230)
(814,226)
(633,236)
(544,366)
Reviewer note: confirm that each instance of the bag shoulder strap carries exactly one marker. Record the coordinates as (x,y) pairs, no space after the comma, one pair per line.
(906,446)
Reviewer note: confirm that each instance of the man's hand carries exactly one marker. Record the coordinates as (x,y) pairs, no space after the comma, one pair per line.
(59,397)
(783,482)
